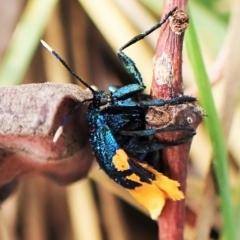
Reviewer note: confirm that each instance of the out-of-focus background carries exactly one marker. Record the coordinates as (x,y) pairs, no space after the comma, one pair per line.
(87,34)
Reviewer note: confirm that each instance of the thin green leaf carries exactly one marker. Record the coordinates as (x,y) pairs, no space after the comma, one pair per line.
(212,123)
(210,24)
(24,41)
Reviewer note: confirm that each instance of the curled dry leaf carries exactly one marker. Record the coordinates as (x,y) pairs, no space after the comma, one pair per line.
(29,117)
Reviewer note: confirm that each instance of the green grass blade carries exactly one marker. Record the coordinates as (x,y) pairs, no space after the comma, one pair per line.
(210,23)
(25,41)
(212,123)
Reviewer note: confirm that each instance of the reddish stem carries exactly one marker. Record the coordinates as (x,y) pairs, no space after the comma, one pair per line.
(167,83)
(171,44)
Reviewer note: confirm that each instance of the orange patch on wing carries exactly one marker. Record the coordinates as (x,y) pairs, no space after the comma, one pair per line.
(120,160)
(149,196)
(167,185)
(153,196)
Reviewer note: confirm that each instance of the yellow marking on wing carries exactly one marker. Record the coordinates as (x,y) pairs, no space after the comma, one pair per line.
(149,196)
(167,185)
(120,160)
(153,196)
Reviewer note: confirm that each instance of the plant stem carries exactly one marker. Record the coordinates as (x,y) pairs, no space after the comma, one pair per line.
(167,83)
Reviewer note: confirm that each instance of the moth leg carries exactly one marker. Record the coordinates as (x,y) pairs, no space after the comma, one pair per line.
(173,101)
(150,132)
(147,147)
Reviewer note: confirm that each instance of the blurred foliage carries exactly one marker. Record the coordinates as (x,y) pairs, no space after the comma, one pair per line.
(87,34)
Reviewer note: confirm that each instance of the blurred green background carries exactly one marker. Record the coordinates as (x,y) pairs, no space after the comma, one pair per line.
(87,34)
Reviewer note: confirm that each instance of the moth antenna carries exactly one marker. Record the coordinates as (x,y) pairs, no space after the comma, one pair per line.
(66,66)
(146,33)
(57,134)
(64,121)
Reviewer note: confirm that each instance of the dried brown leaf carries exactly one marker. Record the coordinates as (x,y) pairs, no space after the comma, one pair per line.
(29,116)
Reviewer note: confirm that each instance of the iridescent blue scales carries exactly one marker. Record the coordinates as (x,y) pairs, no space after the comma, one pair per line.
(120,141)
(121,145)
(149,187)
